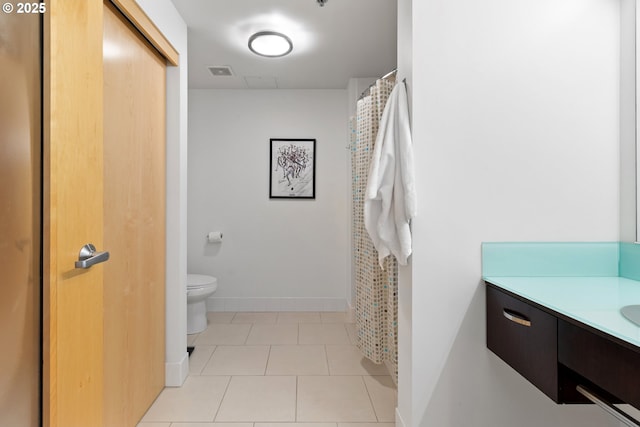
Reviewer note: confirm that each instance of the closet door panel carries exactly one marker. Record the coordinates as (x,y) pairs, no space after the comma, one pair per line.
(134,216)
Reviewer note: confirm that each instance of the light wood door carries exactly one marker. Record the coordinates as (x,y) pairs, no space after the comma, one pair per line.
(76,352)
(134,221)
(72,214)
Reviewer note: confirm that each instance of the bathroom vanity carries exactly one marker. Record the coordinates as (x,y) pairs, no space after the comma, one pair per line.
(563,332)
(554,315)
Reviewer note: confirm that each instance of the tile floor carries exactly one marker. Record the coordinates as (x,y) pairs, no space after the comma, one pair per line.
(288,369)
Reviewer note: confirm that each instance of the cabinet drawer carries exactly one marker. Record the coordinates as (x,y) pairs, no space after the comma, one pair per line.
(607,364)
(524,337)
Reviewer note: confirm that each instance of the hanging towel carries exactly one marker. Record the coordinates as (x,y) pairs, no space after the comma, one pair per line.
(390,197)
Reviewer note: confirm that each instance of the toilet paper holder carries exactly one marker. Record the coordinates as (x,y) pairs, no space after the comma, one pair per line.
(214,237)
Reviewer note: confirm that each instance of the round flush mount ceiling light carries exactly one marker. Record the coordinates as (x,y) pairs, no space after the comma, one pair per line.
(270,44)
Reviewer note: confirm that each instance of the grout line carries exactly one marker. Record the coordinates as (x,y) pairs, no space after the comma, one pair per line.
(222,399)
(326,356)
(344,326)
(370,399)
(295,418)
(248,333)
(266,365)
(215,347)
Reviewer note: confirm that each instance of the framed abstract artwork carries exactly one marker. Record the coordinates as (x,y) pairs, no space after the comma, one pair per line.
(292,171)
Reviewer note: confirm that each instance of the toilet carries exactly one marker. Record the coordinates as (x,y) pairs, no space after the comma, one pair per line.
(199,288)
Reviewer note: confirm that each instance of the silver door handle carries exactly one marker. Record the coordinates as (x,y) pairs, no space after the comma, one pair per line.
(88,256)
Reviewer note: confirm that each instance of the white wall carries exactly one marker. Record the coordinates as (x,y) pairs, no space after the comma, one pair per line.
(355,88)
(276,254)
(628,121)
(405,280)
(516,137)
(169,21)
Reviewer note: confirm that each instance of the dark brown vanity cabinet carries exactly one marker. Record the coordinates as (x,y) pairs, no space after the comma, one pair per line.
(524,337)
(611,366)
(556,353)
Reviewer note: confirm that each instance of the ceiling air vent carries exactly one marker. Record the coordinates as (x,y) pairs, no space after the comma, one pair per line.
(220,70)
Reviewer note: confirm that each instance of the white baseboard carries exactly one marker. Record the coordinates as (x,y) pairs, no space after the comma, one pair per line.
(276,304)
(176,373)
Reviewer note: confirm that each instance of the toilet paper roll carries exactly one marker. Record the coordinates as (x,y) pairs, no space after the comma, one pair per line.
(214,237)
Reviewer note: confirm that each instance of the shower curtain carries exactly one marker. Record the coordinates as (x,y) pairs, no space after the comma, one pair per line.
(376,302)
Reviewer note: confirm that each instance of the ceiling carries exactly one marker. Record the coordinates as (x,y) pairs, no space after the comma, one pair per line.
(343,39)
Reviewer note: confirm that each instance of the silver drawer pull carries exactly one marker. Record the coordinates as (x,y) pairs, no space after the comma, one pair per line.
(516,317)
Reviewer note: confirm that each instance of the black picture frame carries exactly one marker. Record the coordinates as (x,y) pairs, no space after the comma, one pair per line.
(292,168)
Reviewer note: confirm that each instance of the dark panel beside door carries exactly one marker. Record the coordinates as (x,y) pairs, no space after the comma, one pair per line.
(20,219)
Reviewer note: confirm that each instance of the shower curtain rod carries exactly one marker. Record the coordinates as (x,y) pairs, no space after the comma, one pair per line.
(390,73)
(368,90)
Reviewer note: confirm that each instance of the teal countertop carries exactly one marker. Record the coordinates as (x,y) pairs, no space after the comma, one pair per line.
(587,282)
(594,301)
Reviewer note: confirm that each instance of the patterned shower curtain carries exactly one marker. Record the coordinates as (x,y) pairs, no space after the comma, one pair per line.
(376,311)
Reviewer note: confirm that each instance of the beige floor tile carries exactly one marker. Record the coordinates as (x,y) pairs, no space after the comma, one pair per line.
(297,360)
(199,358)
(271,402)
(191,339)
(323,333)
(237,360)
(333,317)
(348,360)
(224,334)
(333,398)
(264,317)
(273,334)
(299,317)
(220,316)
(384,396)
(295,425)
(212,425)
(197,400)
(259,398)
(352,332)
(358,425)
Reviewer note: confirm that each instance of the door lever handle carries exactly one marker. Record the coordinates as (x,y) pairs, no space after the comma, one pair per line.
(88,256)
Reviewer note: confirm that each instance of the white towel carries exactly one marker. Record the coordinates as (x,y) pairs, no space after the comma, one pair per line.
(390,198)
